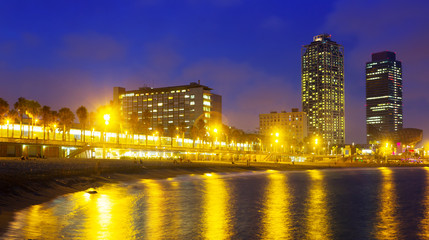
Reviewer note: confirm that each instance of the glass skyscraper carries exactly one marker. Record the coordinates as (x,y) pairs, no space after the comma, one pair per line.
(383,96)
(323,89)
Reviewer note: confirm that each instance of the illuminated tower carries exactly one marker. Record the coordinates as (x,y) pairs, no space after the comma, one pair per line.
(383,96)
(323,88)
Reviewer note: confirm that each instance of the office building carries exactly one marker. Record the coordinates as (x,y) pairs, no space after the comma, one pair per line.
(170,105)
(323,89)
(291,126)
(383,96)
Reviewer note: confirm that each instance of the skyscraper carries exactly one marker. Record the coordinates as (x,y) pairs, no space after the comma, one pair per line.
(323,88)
(383,96)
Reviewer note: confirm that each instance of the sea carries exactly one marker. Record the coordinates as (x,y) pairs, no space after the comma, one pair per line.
(354,203)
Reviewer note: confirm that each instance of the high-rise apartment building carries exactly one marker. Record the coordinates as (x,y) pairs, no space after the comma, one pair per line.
(170,105)
(383,96)
(323,88)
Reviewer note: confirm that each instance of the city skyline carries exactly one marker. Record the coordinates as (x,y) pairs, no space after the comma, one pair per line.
(50,55)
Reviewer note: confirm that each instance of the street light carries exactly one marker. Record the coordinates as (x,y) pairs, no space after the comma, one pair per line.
(7,122)
(55,130)
(106,122)
(316,142)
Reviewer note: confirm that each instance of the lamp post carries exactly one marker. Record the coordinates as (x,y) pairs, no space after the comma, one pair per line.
(55,130)
(106,122)
(7,122)
(316,142)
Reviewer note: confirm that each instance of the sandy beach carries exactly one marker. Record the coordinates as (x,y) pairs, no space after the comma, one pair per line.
(28,182)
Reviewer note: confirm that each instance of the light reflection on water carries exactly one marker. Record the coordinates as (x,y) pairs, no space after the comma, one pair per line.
(317,219)
(424,225)
(387,224)
(276,220)
(287,205)
(216,217)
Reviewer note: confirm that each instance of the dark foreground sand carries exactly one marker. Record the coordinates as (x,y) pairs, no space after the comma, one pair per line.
(34,181)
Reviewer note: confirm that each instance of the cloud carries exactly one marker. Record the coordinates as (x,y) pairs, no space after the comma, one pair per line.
(246,91)
(92,47)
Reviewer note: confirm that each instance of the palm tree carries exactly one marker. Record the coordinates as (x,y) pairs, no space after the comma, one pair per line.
(66,118)
(13,115)
(172,132)
(159,131)
(201,129)
(46,115)
(194,135)
(4,108)
(33,111)
(21,107)
(53,123)
(182,131)
(82,114)
(133,122)
(92,121)
(146,120)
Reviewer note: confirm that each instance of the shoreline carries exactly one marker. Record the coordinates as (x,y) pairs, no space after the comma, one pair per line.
(32,182)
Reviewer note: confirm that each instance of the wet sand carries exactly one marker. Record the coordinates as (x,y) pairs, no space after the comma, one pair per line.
(29,182)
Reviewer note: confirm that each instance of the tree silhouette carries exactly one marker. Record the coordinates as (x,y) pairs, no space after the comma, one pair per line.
(33,111)
(82,115)
(66,118)
(4,108)
(146,123)
(46,115)
(21,107)
(13,116)
(133,122)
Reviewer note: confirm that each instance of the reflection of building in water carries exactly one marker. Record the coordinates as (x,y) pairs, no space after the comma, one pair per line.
(217,216)
(155,214)
(387,225)
(424,224)
(318,225)
(276,221)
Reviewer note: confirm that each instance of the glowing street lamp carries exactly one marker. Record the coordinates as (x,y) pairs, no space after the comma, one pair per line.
(106,122)
(316,142)
(106,119)
(7,123)
(55,130)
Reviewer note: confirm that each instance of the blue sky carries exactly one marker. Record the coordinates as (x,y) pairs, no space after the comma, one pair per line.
(72,53)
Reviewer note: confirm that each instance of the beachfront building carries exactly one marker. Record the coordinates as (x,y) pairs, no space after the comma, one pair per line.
(383,97)
(174,105)
(323,89)
(289,128)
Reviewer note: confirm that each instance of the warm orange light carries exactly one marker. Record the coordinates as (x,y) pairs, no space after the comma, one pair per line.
(106,118)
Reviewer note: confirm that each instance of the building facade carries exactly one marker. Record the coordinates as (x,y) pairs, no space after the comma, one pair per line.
(323,89)
(291,126)
(383,96)
(170,105)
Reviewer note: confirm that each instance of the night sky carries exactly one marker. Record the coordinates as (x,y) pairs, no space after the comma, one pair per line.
(72,53)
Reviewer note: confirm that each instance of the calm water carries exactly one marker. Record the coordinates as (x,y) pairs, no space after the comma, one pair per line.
(381,203)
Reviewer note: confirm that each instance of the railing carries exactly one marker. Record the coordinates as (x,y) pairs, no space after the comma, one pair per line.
(28,134)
